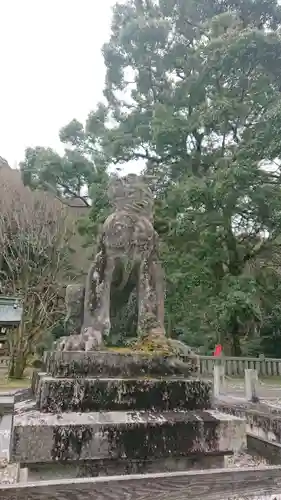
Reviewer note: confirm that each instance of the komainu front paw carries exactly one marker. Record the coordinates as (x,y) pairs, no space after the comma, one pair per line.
(92,339)
(71,343)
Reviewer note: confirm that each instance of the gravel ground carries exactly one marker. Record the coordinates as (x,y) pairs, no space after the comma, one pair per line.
(253,497)
(259,497)
(272,402)
(266,390)
(245,460)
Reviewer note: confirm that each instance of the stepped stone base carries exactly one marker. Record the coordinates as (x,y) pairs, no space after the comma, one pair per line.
(120,412)
(73,364)
(40,437)
(55,395)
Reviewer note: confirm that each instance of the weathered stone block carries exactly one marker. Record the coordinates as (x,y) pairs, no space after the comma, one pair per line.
(261,420)
(115,364)
(41,437)
(98,394)
(113,467)
(35,380)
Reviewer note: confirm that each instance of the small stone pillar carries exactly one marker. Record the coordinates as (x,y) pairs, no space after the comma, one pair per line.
(219,380)
(251,385)
(23,475)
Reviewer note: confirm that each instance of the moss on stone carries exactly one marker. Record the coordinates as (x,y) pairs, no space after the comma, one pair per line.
(153,342)
(121,350)
(69,441)
(116,364)
(86,395)
(179,436)
(137,349)
(267,421)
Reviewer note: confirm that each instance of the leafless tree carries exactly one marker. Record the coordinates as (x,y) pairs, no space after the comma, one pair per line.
(34,259)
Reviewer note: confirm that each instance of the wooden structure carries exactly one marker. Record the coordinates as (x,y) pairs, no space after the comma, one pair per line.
(10,317)
(212,484)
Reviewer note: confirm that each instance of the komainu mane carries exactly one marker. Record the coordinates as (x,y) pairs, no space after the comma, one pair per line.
(127,258)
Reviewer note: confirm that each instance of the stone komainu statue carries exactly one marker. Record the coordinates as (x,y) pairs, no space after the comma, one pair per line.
(127,258)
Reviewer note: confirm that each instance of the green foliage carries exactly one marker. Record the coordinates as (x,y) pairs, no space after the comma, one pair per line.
(193,90)
(80,175)
(100,207)
(203,111)
(65,176)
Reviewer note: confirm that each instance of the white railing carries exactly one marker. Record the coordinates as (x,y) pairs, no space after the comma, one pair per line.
(236,366)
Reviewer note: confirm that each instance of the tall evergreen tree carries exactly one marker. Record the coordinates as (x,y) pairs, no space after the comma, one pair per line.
(194,89)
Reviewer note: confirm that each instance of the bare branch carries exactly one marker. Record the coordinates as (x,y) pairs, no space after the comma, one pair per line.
(65,201)
(34,257)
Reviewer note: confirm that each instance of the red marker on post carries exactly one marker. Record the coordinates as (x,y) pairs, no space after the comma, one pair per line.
(218,350)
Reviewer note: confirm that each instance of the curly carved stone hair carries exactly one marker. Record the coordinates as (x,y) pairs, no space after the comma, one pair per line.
(131,193)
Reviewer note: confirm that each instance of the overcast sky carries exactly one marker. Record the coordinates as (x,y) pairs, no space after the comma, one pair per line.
(51,68)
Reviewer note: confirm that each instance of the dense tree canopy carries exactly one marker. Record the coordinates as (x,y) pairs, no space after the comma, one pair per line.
(193,89)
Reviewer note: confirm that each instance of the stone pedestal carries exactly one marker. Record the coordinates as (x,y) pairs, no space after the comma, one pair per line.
(101,413)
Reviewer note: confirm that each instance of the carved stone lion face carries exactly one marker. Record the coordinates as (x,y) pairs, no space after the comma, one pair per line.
(132,194)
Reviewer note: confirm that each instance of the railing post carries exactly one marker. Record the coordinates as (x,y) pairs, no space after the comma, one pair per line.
(219,380)
(251,385)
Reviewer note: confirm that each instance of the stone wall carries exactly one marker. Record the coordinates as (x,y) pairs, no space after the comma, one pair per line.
(261,419)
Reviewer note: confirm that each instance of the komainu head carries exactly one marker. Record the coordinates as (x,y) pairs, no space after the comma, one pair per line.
(131,194)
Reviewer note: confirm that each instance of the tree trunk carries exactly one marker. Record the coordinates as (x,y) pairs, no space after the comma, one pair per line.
(231,344)
(11,370)
(17,365)
(227,346)
(235,334)
(236,346)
